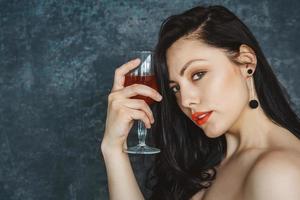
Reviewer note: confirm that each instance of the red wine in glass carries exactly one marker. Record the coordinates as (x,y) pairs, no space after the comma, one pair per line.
(148,80)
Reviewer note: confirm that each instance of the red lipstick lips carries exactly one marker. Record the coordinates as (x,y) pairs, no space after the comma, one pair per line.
(201,117)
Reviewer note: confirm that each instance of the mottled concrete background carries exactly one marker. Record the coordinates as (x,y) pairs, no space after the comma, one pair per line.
(57,59)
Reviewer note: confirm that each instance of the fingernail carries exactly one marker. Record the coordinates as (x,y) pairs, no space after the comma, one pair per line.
(159,97)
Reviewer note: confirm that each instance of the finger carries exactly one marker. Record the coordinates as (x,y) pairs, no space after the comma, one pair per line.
(139,105)
(139,89)
(120,73)
(140,115)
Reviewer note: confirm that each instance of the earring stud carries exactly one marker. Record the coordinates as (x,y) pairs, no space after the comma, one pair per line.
(250,71)
(253,104)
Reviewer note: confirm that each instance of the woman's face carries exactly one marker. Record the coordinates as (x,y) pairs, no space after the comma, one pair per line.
(203,79)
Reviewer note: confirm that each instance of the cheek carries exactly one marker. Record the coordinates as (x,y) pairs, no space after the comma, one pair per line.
(228,91)
(228,98)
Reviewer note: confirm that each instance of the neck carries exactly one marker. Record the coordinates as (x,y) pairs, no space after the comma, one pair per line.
(251,131)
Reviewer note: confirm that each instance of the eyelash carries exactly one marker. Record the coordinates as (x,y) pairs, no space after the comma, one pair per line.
(202,74)
(173,87)
(177,86)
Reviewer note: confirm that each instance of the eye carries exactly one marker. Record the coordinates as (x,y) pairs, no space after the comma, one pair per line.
(175,88)
(198,76)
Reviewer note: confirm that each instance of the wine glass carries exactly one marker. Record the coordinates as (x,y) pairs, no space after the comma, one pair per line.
(143,74)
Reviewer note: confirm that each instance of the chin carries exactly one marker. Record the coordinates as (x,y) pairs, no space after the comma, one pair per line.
(213,132)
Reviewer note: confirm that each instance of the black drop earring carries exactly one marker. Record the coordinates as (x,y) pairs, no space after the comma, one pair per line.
(253,103)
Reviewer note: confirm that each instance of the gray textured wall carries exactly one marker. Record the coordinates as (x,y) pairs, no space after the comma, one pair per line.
(57,59)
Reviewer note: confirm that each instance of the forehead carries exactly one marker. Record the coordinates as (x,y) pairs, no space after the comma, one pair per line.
(185,46)
(184,50)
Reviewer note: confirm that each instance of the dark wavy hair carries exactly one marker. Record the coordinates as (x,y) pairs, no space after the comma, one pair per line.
(188,158)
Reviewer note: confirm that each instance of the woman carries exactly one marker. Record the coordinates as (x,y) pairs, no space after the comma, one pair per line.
(226,129)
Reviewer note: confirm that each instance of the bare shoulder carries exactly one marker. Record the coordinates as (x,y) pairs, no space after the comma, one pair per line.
(275,175)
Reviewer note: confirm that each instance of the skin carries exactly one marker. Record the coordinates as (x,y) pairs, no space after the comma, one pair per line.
(261,156)
(262,159)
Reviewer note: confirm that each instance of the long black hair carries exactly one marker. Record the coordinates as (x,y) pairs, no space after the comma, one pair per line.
(188,158)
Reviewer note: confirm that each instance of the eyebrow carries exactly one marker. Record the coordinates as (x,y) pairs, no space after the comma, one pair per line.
(186,65)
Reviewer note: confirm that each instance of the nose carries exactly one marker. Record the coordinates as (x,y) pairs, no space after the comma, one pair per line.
(189,97)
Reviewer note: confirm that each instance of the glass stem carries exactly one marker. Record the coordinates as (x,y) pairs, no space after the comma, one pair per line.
(142,133)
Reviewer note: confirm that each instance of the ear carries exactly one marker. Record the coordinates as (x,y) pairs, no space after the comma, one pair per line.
(247,58)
